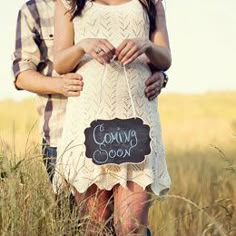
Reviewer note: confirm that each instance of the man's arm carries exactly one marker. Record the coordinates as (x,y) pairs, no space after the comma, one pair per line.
(154,84)
(27,57)
(68,85)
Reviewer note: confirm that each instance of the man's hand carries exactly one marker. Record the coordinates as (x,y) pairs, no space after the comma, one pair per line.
(154,85)
(71,85)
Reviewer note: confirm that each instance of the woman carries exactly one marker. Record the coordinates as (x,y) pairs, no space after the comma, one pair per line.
(110,43)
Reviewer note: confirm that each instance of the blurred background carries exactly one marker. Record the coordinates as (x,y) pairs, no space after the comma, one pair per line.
(202,36)
(198,113)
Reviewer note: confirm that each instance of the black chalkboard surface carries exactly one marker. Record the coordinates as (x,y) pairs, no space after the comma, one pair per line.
(117,141)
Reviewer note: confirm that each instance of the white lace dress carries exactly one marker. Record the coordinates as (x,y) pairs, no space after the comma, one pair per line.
(108,101)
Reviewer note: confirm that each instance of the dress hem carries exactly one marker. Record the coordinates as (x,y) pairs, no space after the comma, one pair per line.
(159,189)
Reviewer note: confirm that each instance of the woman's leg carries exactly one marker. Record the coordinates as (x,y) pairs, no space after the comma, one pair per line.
(94,208)
(131,206)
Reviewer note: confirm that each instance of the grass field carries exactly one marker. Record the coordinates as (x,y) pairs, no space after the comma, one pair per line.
(199,132)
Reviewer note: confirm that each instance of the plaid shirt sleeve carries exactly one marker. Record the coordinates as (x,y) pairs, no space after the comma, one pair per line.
(27,53)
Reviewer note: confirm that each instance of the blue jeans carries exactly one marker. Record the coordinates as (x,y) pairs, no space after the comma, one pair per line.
(49,159)
(148,232)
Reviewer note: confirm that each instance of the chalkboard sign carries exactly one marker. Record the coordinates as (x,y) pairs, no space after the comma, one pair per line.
(117,141)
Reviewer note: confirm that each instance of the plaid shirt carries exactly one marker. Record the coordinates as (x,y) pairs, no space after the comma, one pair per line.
(33,51)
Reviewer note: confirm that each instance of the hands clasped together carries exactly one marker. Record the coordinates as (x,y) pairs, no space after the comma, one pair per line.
(104,52)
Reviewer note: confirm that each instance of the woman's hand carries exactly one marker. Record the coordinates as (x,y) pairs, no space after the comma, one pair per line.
(100,49)
(130,49)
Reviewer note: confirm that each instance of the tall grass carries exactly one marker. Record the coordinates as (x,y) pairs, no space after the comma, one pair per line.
(199,132)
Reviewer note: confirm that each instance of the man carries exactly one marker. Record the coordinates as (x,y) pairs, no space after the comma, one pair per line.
(33,70)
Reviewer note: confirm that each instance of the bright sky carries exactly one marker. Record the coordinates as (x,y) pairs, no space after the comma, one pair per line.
(203,42)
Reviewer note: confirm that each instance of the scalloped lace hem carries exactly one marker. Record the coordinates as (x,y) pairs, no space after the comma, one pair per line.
(158,187)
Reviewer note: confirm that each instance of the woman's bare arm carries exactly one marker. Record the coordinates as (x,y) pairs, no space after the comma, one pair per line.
(66,55)
(158,50)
